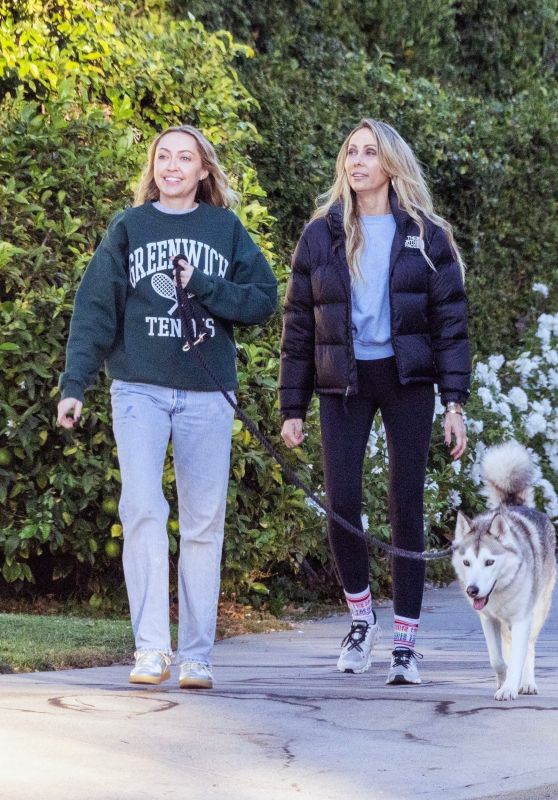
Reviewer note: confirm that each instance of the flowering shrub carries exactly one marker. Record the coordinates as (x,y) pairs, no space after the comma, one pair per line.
(517,399)
(514,398)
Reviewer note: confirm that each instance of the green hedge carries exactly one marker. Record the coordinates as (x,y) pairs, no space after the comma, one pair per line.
(84,89)
(477,99)
(83,94)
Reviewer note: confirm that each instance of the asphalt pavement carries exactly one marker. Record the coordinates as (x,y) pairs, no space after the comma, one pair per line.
(281,723)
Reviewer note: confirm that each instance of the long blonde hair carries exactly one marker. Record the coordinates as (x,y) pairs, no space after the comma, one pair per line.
(214,189)
(399,162)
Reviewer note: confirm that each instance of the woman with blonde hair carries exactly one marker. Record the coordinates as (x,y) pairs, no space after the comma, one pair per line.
(375,315)
(126,314)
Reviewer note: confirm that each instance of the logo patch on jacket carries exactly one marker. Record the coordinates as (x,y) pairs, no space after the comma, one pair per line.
(415,242)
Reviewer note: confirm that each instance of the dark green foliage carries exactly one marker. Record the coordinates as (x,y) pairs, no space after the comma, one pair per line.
(471,85)
(83,88)
(83,94)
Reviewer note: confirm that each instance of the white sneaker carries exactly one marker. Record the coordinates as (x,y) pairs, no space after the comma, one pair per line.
(152,667)
(195,675)
(403,668)
(356,647)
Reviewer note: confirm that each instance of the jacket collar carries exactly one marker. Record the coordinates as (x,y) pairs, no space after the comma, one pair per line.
(335,217)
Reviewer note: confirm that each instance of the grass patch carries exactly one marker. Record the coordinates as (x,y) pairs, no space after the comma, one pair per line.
(41,642)
(29,642)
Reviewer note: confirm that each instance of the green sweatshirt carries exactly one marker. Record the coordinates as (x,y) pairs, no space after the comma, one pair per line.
(126,312)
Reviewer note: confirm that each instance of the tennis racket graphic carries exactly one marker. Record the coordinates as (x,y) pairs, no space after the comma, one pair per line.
(164,287)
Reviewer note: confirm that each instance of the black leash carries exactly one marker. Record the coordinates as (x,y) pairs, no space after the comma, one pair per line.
(192,331)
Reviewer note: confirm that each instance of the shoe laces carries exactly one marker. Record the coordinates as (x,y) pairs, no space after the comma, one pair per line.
(402,657)
(146,657)
(356,635)
(196,665)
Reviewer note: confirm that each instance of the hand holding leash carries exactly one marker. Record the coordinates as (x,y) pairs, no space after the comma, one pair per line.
(69,412)
(185,270)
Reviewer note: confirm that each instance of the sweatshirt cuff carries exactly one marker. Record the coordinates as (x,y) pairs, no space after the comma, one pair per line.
(198,283)
(297,413)
(72,389)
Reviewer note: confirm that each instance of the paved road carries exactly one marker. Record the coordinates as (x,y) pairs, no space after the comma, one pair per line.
(282,723)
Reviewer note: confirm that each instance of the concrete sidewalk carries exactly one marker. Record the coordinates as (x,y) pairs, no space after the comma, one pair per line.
(282,723)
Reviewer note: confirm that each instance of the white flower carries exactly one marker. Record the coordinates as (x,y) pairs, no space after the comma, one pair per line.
(475,468)
(553,461)
(548,326)
(439,407)
(456,466)
(503,408)
(495,362)
(10,423)
(518,398)
(485,375)
(550,497)
(454,498)
(525,365)
(543,407)
(550,355)
(541,289)
(486,396)
(535,423)
(475,426)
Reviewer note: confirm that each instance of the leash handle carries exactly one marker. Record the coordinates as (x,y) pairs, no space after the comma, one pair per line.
(185,307)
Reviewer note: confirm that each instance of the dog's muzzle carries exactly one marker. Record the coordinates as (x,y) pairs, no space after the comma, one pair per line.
(479,602)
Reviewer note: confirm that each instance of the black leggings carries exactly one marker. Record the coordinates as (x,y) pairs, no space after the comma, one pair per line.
(407,413)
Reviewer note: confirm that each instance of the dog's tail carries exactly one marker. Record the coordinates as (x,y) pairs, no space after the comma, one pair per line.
(507,473)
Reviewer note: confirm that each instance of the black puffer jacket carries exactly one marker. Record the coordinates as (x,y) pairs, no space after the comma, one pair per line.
(428,314)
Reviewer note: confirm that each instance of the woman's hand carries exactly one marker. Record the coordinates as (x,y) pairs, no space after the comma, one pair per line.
(454,426)
(291,432)
(69,412)
(185,273)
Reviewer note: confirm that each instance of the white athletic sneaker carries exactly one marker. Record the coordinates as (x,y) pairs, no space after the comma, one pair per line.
(195,675)
(152,667)
(356,647)
(403,668)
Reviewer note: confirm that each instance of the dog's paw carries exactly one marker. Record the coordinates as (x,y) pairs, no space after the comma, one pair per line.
(500,679)
(528,688)
(506,692)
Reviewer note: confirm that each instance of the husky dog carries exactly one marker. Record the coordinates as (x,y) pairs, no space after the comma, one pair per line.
(506,564)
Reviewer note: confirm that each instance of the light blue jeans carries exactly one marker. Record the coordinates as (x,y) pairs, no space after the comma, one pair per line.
(199,424)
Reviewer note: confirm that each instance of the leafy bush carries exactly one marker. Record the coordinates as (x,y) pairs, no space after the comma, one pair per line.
(84,91)
(476,99)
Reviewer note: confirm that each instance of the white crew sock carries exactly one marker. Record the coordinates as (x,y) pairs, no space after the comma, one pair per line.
(405,631)
(360,606)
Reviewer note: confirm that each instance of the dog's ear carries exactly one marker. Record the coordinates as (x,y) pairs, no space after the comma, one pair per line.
(462,526)
(498,527)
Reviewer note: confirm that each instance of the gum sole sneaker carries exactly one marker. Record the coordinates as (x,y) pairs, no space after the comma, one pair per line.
(403,668)
(195,675)
(356,647)
(151,667)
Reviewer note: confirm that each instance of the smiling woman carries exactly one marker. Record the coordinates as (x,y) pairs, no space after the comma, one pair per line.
(159,391)
(178,170)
